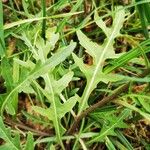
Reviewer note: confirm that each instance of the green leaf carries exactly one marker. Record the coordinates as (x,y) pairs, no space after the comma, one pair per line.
(53,61)
(91,48)
(6,147)
(30,142)
(2,42)
(99,53)
(52,147)
(44,47)
(123,59)
(145,103)
(52,37)
(12,141)
(62,83)
(83,67)
(102,25)
(53,87)
(25,5)
(57,110)
(58,85)
(67,106)
(110,122)
(5,134)
(132,107)
(109,144)
(61,109)
(6,72)
(40,70)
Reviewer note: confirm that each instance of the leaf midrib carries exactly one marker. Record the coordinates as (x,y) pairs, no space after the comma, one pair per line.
(97,69)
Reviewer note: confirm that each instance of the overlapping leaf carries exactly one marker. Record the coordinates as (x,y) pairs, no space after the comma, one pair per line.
(13,142)
(43,67)
(53,87)
(99,53)
(61,109)
(39,70)
(110,122)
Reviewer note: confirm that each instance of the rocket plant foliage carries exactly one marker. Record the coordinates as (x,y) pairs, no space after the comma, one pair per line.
(94,73)
(14,142)
(43,67)
(60,104)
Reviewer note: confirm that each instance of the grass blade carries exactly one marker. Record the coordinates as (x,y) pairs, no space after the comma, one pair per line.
(2,43)
(143,18)
(124,140)
(147,11)
(44,20)
(109,144)
(122,60)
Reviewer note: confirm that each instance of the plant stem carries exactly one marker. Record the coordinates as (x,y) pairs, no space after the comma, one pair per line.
(24,127)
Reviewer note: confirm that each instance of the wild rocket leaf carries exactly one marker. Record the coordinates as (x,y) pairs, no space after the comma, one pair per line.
(110,122)
(99,53)
(53,61)
(5,134)
(88,70)
(57,109)
(61,108)
(7,70)
(145,103)
(53,87)
(12,142)
(44,47)
(61,84)
(40,69)
(30,142)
